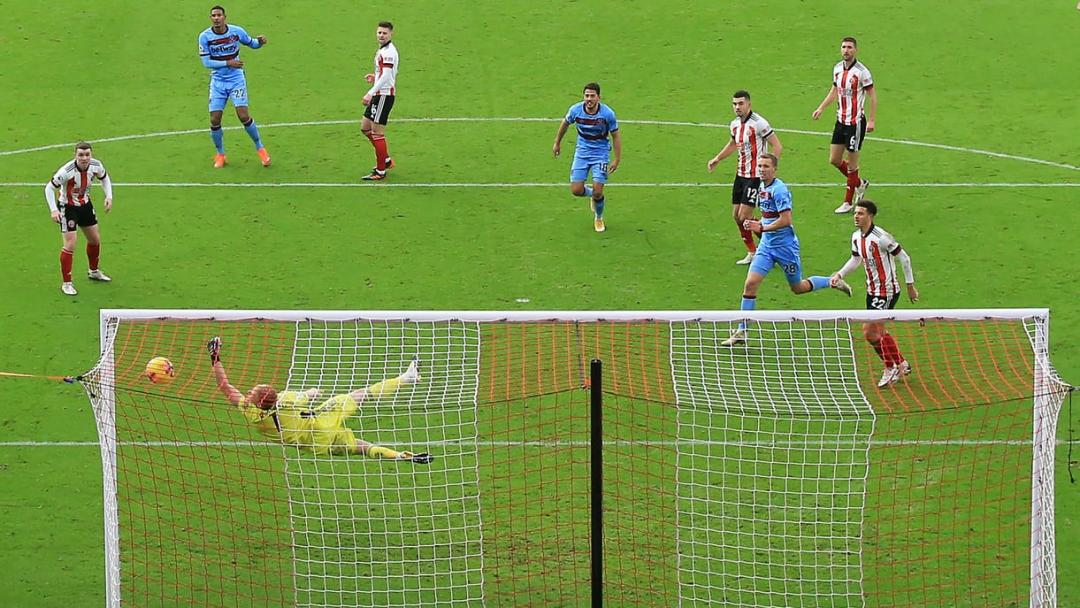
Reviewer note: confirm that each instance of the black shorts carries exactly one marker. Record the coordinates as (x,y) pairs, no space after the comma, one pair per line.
(82,216)
(881,302)
(850,136)
(379,108)
(745,191)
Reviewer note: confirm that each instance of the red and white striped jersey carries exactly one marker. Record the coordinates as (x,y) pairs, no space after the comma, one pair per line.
(74,183)
(386,62)
(751,137)
(851,83)
(878,250)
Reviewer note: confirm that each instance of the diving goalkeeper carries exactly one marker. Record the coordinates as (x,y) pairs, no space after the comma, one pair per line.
(293,418)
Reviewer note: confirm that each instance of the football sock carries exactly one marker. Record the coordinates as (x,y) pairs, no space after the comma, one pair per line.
(588,191)
(842,168)
(878,349)
(890,350)
(219,138)
(598,204)
(747,237)
(379,141)
(386,387)
(377,451)
(92,254)
(817,283)
(748,303)
(853,179)
(253,132)
(66,258)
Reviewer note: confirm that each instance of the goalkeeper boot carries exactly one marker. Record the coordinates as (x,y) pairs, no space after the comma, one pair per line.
(412,375)
(68,288)
(97,275)
(890,376)
(219,161)
(746,260)
(737,337)
(842,285)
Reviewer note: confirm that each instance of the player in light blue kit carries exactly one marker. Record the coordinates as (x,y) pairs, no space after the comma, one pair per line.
(219,49)
(595,122)
(778,247)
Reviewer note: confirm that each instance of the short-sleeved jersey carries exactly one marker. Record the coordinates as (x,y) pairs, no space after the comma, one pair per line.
(593,129)
(772,199)
(387,60)
(74,183)
(851,82)
(223,47)
(750,136)
(878,250)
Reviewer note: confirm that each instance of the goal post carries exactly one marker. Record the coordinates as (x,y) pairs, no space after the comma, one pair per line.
(773,472)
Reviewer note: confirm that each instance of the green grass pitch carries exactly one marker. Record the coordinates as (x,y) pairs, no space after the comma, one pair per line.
(984,230)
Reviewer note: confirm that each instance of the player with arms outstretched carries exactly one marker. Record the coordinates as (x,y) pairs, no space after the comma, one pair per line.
(379,100)
(72,209)
(851,85)
(219,49)
(878,251)
(595,122)
(779,246)
(752,136)
(292,418)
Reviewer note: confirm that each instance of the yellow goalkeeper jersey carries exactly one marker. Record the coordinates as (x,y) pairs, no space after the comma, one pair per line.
(295,422)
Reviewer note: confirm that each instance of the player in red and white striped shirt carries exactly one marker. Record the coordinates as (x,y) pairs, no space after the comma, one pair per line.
(852,84)
(74,210)
(752,136)
(878,252)
(379,100)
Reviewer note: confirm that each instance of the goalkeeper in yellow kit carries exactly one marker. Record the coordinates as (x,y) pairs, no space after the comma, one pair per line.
(293,418)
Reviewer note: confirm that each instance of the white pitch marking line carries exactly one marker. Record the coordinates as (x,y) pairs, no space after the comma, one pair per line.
(567,443)
(538,185)
(665,123)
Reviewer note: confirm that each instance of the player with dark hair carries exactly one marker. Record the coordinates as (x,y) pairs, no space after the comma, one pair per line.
(379,100)
(595,123)
(878,251)
(68,197)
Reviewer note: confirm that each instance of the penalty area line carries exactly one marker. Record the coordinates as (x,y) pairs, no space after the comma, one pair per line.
(544,185)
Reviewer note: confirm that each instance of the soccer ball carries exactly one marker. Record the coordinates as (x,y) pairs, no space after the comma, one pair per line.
(160,370)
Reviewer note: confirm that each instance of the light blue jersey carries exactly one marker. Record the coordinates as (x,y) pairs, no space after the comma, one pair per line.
(226,82)
(216,49)
(777,247)
(593,143)
(593,130)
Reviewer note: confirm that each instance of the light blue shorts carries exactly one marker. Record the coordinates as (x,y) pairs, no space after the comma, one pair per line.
(222,92)
(785,256)
(584,165)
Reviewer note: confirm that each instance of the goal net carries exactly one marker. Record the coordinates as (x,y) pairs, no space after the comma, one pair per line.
(789,470)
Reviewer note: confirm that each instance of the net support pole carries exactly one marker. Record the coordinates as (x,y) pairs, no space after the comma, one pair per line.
(596,460)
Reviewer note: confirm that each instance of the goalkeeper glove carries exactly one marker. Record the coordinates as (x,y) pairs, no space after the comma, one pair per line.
(421,458)
(214,347)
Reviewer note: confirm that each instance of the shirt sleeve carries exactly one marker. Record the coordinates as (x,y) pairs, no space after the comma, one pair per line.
(59,178)
(782,199)
(570,115)
(204,45)
(613,123)
(244,38)
(855,246)
(765,130)
(867,79)
(889,243)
